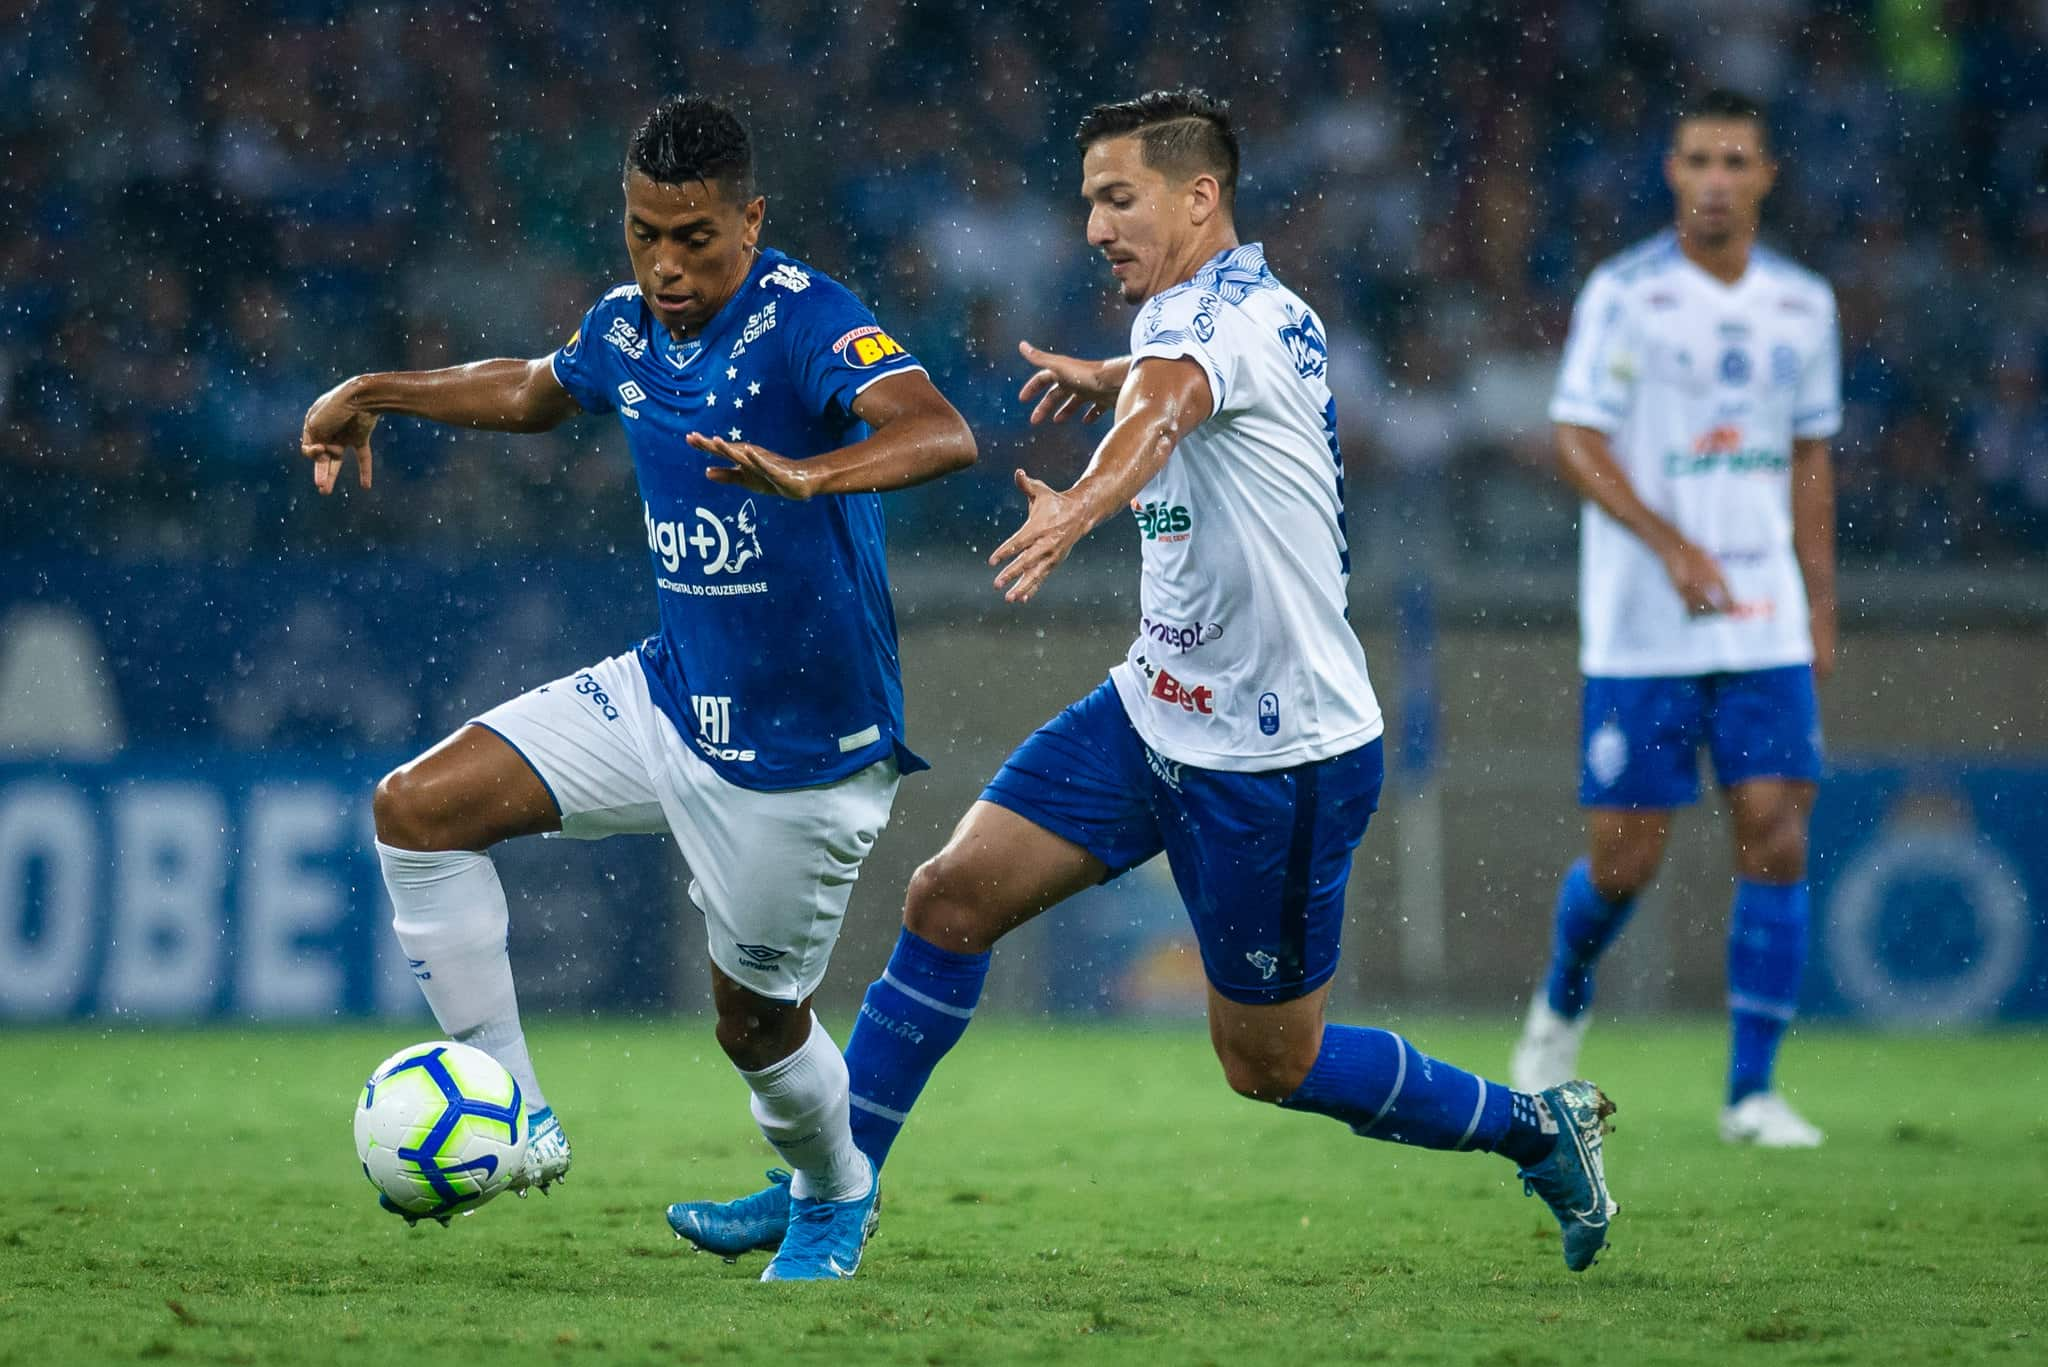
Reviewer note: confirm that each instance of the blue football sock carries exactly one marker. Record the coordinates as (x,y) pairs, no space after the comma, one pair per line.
(1585,924)
(1384,1088)
(1766,960)
(912,1014)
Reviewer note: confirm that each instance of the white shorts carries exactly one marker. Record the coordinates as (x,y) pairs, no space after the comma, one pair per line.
(770,871)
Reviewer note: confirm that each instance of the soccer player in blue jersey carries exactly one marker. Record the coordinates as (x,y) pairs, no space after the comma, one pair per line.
(1239,736)
(1700,385)
(762,725)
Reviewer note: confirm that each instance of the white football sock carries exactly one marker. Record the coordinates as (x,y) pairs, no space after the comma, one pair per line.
(800,1105)
(448,908)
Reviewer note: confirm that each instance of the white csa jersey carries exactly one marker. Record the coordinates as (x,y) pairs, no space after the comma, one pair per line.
(1701,388)
(1244,660)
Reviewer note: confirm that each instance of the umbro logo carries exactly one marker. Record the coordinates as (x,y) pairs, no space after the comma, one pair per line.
(760,956)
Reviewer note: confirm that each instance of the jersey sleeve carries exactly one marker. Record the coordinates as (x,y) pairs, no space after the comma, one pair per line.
(1597,377)
(582,367)
(1183,325)
(836,349)
(1818,412)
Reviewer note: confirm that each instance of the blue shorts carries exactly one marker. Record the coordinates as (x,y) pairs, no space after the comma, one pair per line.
(1640,738)
(1261,860)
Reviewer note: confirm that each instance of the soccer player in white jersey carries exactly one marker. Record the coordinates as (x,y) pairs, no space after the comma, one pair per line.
(764,408)
(1239,736)
(1700,385)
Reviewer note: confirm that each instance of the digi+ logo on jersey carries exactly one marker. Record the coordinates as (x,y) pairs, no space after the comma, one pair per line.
(867,346)
(723,545)
(1160,521)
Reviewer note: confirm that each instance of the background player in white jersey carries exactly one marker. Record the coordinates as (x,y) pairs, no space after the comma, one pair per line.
(1240,735)
(1700,385)
(769,575)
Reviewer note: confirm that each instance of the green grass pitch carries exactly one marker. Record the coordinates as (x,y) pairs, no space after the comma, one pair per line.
(1068,1194)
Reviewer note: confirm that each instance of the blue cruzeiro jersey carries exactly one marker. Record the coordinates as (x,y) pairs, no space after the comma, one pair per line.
(777,649)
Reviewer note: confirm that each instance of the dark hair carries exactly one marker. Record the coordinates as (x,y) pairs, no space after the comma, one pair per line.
(693,137)
(1722,103)
(1182,133)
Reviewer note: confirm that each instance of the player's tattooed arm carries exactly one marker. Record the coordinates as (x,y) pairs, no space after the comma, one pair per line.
(500,396)
(1813,541)
(914,436)
(1162,402)
(1067,387)
(1587,463)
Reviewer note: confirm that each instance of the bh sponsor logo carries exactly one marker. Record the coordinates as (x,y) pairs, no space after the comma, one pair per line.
(1182,636)
(1161,521)
(588,686)
(865,347)
(1174,693)
(722,545)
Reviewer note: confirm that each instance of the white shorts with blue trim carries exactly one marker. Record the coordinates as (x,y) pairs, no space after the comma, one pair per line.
(771,871)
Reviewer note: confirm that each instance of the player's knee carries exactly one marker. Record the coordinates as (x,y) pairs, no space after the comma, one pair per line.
(938,910)
(1773,851)
(1623,872)
(402,811)
(1263,1070)
(756,1033)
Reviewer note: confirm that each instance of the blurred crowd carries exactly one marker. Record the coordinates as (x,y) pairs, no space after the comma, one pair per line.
(217,210)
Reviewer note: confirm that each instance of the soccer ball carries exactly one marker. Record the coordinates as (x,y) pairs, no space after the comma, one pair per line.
(441,1129)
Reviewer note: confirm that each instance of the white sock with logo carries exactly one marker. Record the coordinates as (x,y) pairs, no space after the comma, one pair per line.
(800,1105)
(448,908)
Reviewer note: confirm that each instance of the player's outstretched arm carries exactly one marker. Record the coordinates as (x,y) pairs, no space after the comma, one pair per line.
(914,436)
(1813,541)
(1162,401)
(1067,386)
(499,396)
(1588,465)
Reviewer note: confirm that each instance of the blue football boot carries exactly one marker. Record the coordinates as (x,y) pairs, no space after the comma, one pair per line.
(825,1238)
(1572,1180)
(730,1228)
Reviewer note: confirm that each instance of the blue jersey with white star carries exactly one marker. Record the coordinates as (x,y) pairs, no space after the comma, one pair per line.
(777,649)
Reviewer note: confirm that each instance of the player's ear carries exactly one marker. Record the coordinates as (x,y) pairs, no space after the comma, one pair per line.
(1205,198)
(751,217)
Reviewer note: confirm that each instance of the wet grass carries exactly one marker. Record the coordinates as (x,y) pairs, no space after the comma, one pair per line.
(1065,1195)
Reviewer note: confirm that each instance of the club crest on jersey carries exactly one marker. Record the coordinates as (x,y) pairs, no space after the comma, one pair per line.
(1305,343)
(626,339)
(1735,366)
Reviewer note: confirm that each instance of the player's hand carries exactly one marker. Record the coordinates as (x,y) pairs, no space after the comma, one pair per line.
(334,430)
(1067,388)
(754,468)
(1036,549)
(1697,577)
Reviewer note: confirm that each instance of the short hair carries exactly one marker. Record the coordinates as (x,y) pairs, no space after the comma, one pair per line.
(1723,103)
(693,137)
(1181,134)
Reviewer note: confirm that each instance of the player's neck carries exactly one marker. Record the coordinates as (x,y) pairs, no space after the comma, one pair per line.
(1726,260)
(1201,251)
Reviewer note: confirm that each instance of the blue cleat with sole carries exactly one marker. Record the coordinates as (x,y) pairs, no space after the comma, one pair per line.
(730,1228)
(825,1238)
(1573,1181)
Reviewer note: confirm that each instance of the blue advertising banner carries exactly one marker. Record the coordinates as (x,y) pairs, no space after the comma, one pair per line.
(1930,891)
(206,885)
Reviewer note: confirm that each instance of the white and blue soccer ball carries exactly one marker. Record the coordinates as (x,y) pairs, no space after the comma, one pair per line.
(441,1129)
